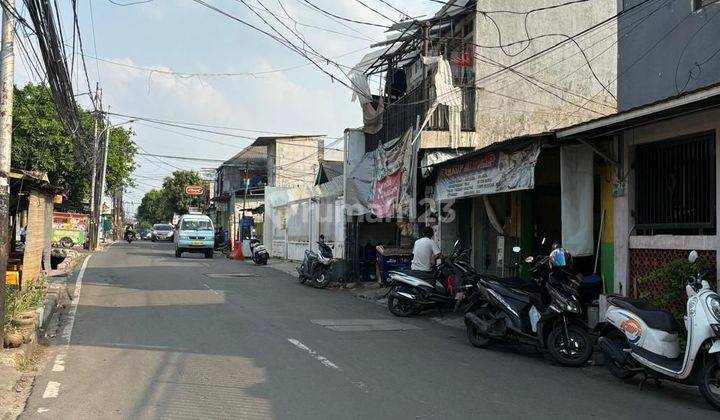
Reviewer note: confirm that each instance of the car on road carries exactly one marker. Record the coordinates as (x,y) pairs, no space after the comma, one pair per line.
(162,232)
(195,234)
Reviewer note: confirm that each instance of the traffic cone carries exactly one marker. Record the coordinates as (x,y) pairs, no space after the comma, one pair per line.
(237,251)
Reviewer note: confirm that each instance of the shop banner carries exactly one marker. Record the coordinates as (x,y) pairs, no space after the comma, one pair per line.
(385,195)
(492,173)
(390,175)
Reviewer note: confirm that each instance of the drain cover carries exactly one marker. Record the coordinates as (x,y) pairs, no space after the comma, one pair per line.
(229,276)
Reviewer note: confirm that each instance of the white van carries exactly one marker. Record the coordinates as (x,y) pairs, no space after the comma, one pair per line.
(195,233)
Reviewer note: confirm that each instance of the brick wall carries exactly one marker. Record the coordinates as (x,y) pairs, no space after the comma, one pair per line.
(37,242)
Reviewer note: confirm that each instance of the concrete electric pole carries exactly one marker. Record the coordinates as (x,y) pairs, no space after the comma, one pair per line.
(7,75)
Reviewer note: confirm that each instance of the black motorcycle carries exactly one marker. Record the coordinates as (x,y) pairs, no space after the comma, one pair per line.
(129,236)
(545,313)
(411,292)
(315,266)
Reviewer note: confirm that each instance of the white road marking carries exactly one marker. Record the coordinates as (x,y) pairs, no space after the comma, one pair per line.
(324,360)
(42,410)
(211,289)
(51,390)
(59,365)
(67,332)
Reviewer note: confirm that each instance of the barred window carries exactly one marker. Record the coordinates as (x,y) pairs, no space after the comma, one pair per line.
(675,186)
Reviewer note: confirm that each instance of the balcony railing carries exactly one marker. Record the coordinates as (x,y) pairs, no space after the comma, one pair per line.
(405,112)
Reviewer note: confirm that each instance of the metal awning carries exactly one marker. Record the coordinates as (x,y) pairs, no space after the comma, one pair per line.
(667,108)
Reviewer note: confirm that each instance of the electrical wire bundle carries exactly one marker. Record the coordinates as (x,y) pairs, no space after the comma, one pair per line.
(49,39)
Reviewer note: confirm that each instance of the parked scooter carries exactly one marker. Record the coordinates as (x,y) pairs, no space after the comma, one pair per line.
(315,266)
(640,338)
(412,291)
(260,255)
(545,314)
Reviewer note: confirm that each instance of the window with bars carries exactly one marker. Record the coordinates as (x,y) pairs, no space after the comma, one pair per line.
(675,186)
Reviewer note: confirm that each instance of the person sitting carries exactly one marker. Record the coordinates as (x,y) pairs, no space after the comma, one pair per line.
(425,255)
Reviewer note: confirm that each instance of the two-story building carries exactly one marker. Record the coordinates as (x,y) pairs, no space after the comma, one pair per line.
(662,144)
(492,77)
(280,161)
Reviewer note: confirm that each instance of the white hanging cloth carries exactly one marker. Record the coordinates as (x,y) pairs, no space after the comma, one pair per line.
(446,93)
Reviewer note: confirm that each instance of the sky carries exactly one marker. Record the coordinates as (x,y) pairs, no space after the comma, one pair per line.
(184,36)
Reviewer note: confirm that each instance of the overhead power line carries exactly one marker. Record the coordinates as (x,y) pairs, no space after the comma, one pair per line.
(181,157)
(325,12)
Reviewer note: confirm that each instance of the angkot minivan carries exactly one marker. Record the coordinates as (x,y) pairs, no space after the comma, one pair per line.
(195,233)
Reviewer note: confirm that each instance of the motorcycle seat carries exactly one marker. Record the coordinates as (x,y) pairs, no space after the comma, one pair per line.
(653,316)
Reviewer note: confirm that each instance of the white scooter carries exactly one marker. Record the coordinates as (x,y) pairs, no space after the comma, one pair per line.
(638,337)
(260,255)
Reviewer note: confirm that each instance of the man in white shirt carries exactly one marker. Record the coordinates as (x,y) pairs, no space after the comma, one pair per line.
(425,252)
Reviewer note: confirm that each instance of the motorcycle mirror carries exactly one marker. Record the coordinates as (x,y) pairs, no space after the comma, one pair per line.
(516,249)
(693,256)
(529,259)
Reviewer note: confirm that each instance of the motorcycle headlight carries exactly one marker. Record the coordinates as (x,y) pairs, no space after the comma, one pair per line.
(569,305)
(713,303)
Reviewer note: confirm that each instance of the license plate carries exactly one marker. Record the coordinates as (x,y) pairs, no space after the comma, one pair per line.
(196,243)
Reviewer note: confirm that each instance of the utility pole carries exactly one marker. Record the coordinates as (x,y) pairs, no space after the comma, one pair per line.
(7,75)
(103,173)
(93,177)
(247,185)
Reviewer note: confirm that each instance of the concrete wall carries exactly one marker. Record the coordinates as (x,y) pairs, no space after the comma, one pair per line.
(658,59)
(625,239)
(296,162)
(555,90)
(39,230)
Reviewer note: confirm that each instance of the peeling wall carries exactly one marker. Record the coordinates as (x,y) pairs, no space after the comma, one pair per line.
(554,90)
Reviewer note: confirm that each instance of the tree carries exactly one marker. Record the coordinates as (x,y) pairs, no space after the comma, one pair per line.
(119,167)
(152,208)
(173,192)
(41,143)
(159,205)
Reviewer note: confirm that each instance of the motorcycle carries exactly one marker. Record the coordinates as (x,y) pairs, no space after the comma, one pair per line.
(129,236)
(260,255)
(411,292)
(545,314)
(315,266)
(637,337)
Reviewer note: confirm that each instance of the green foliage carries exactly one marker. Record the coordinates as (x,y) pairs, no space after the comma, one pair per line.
(152,209)
(121,162)
(41,143)
(159,205)
(17,301)
(672,279)
(173,192)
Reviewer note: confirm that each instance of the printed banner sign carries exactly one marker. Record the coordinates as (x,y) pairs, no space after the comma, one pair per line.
(492,173)
(385,195)
(389,175)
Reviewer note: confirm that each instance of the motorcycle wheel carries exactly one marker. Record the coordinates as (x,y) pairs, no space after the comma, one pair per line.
(401,307)
(473,334)
(302,279)
(573,354)
(616,369)
(710,381)
(321,281)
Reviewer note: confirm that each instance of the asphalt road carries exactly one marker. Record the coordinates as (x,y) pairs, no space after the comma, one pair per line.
(158,337)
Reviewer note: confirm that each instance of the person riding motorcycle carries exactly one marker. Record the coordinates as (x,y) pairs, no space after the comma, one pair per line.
(425,254)
(129,231)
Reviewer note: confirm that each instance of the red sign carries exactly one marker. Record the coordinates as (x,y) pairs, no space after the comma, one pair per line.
(194,190)
(386,194)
